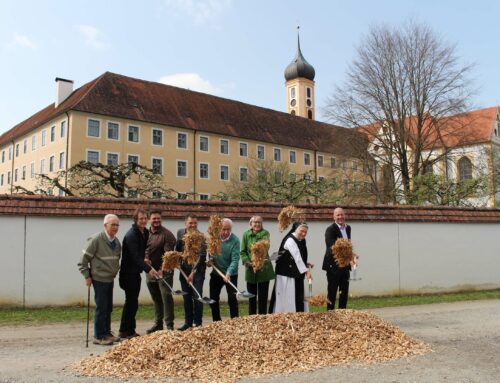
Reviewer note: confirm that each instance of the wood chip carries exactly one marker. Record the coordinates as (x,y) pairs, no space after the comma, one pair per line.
(289,214)
(171,261)
(342,252)
(259,256)
(254,346)
(193,241)
(318,300)
(214,242)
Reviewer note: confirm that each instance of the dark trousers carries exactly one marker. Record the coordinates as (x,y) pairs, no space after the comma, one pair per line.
(193,310)
(216,284)
(261,290)
(131,284)
(338,280)
(103,297)
(163,300)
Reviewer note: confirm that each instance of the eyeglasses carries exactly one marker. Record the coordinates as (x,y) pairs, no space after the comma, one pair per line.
(113,224)
(257,221)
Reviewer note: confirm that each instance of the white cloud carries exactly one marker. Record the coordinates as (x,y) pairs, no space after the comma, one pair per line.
(201,11)
(93,37)
(192,81)
(23,41)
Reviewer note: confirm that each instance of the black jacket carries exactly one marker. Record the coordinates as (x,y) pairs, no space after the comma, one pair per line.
(285,265)
(133,251)
(333,233)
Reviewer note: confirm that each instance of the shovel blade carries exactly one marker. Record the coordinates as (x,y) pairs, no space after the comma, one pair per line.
(179,292)
(205,300)
(246,294)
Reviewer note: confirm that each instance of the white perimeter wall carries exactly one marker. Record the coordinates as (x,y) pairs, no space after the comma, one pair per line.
(39,257)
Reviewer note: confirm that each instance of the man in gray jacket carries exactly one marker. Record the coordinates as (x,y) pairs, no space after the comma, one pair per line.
(99,265)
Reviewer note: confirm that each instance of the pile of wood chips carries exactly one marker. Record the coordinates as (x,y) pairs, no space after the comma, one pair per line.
(318,300)
(342,252)
(193,242)
(258,255)
(255,346)
(289,214)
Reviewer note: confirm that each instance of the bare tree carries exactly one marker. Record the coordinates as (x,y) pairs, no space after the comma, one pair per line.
(404,90)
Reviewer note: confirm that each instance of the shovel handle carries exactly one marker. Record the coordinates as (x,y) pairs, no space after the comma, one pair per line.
(189,283)
(222,275)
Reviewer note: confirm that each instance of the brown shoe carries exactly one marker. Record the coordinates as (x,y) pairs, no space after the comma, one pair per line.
(112,337)
(103,342)
(156,327)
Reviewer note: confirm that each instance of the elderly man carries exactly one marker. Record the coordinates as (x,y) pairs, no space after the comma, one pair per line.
(160,240)
(227,263)
(99,265)
(337,277)
(193,310)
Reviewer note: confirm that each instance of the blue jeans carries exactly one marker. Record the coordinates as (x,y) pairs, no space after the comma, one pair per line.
(103,297)
(193,310)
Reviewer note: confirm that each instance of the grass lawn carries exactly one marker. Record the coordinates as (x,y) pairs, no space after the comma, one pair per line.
(19,316)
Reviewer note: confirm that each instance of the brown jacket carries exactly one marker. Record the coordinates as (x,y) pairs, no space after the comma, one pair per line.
(159,242)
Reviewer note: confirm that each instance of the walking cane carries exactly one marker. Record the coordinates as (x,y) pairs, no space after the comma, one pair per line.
(88,316)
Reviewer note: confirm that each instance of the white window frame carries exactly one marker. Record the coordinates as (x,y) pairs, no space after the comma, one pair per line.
(138,133)
(276,150)
(309,155)
(52,163)
(239,174)
(107,130)
(87,128)
(32,169)
(177,168)
(263,152)
(64,160)
(153,130)
(44,137)
(199,171)
(42,166)
(25,146)
(321,161)
(16,150)
(52,133)
(136,155)
(208,144)
(220,173)
(62,129)
(220,146)
(290,156)
(16,174)
(118,157)
(203,194)
(162,164)
(240,143)
(92,150)
(177,141)
(33,142)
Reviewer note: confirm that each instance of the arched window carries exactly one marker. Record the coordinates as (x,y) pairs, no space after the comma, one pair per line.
(464,169)
(293,112)
(310,114)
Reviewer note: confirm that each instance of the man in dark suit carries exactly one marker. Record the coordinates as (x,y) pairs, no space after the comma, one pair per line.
(337,277)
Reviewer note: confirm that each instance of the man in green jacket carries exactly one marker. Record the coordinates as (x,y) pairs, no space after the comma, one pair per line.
(227,263)
(99,265)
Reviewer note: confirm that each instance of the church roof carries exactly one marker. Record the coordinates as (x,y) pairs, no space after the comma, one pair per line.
(299,67)
(120,96)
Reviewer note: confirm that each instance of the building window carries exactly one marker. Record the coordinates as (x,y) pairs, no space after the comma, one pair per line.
(181,168)
(224,147)
(307,159)
(293,157)
(321,178)
(132,158)
(156,194)
(320,161)
(42,166)
(308,90)
(344,164)
(204,171)
(93,128)
(181,140)
(1,180)
(15,175)
(204,197)
(292,177)
(8,177)
(61,193)
(278,178)
(25,146)
(203,144)
(261,153)
(133,133)
(309,113)
(10,153)
(158,137)
(224,172)
(33,143)
(182,195)
(292,92)
(62,164)
(52,134)
(243,149)
(464,169)
(3,156)
(32,170)
(307,177)
(157,165)
(17,150)
(112,159)
(63,129)
(333,162)
(23,174)
(51,163)
(277,154)
(243,174)
(93,157)
(355,165)
(113,131)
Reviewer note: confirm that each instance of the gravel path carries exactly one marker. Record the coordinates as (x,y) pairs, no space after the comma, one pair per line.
(465,337)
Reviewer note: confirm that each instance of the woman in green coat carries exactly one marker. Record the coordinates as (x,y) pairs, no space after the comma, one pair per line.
(257,282)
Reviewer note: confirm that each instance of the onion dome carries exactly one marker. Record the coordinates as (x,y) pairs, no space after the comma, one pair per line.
(299,67)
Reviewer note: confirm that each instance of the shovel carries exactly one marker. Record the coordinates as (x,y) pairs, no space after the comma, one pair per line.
(199,298)
(174,292)
(244,294)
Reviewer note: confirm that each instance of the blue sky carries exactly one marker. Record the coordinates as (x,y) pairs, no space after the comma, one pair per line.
(232,48)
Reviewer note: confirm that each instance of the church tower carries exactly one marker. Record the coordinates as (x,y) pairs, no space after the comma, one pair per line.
(299,76)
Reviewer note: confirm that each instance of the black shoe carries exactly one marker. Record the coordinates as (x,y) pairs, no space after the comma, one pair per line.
(184,327)
(156,327)
(197,325)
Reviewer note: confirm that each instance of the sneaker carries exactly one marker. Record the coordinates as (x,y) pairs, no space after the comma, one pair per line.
(112,337)
(103,342)
(156,327)
(184,327)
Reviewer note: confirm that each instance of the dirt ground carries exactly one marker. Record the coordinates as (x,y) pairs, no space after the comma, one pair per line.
(465,337)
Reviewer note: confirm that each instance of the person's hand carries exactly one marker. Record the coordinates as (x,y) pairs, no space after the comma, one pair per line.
(309,275)
(160,273)
(88,282)
(248,264)
(227,278)
(190,278)
(153,274)
(147,261)
(209,263)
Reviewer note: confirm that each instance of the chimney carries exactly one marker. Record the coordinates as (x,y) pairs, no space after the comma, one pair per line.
(63,89)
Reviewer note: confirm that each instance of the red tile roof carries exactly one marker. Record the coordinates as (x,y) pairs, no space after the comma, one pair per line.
(75,206)
(120,96)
